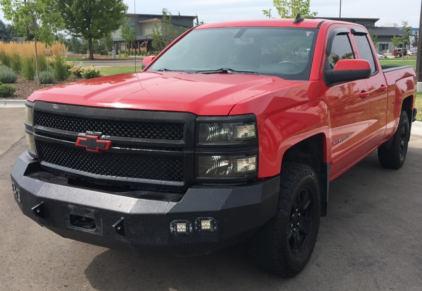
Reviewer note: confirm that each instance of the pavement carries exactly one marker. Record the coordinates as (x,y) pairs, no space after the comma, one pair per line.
(370,240)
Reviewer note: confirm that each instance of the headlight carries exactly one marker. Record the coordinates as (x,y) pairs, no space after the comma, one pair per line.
(30,141)
(218,132)
(29,116)
(226,166)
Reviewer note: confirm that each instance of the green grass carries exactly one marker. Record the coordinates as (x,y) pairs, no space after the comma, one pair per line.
(109,71)
(398,62)
(418,105)
(73,59)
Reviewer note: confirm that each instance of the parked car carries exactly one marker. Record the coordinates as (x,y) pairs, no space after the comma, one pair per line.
(413,52)
(400,52)
(210,146)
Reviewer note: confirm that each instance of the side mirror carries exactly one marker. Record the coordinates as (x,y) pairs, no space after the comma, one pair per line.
(348,70)
(146,61)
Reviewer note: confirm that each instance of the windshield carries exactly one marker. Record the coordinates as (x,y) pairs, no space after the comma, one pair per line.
(282,52)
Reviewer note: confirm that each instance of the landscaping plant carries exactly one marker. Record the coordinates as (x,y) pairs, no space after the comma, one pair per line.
(77,70)
(6,90)
(7,75)
(46,77)
(91,72)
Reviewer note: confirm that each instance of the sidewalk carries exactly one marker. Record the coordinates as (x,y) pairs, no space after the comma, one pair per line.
(12,127)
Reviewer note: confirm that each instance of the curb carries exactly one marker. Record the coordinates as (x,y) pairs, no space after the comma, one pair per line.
(12,103)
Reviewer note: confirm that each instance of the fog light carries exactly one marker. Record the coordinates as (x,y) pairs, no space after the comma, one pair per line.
(181,227)
(205,224)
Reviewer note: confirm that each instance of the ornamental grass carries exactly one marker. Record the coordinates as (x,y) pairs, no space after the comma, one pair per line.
(20,57)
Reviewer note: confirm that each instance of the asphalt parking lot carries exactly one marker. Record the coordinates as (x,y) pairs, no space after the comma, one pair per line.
(370,240)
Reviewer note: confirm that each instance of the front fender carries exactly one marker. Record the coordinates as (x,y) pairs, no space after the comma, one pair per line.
(286,118)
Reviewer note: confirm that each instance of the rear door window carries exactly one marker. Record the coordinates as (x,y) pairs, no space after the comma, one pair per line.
(365,51)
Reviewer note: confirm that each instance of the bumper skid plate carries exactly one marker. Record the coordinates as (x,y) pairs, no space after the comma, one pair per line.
(205,219)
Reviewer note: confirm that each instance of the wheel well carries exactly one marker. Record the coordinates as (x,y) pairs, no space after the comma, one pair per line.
(407,106)
(311,152)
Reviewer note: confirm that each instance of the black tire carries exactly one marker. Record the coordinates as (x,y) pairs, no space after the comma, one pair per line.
(280,246)
(394,156)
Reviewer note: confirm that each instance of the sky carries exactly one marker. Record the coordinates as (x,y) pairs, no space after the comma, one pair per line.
(389,11)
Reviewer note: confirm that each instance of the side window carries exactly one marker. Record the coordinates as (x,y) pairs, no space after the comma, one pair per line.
(365,50)
(340,50)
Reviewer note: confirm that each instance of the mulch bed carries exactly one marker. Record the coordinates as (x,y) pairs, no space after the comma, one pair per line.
(24,87)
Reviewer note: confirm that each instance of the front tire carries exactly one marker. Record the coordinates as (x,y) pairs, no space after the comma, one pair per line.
(393,157)
(285,244)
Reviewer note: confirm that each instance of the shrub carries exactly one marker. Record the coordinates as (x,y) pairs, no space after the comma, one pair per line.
(61,69)
(91,72)
(46,77)
(28,68)
(6,90)
(7,75)
(15,62)
(77,70)
(42,63)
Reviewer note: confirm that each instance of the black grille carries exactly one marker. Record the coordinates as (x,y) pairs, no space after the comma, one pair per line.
(131,129)
(112,164)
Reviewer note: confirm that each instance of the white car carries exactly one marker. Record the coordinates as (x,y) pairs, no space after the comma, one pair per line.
(412,52)
(380,56)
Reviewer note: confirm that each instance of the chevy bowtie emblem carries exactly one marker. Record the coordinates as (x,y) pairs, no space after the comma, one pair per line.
(92,144)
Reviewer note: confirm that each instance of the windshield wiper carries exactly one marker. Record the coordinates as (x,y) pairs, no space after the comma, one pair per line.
(226,71)
(164,70)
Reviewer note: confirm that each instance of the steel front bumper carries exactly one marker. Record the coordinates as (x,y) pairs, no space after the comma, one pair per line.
(143,222)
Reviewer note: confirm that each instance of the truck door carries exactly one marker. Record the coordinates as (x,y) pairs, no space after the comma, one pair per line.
(376,92)
(348,109)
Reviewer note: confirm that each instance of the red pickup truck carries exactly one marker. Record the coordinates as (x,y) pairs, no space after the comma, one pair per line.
(228,135)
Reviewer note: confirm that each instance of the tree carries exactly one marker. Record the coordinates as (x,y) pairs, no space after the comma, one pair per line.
(128,33)
(197,22)
(162,35)
(5,33)
(403,40)
(35,17)
(374,38)
(108,42)
(92,19)
(290,8)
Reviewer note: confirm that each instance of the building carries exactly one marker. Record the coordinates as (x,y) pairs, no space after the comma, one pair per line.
(384,34)
(144,25)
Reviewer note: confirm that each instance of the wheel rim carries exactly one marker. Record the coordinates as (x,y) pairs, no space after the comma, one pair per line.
(300,223)
(403,142)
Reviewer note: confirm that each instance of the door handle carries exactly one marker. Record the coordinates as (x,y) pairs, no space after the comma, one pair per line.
(363,94)
(382,88)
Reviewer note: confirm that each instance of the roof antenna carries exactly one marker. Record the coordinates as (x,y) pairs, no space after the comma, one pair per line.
(298,19)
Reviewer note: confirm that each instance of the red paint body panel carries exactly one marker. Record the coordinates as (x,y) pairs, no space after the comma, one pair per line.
(352,124)
(349,65)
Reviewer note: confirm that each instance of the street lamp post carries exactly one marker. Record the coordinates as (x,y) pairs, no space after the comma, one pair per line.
(419,56)
(340,10)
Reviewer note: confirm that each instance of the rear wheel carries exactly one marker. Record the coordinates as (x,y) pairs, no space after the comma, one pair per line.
(393,157)
(285,244)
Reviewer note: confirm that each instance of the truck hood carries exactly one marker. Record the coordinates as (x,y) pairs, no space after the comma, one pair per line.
(201,94)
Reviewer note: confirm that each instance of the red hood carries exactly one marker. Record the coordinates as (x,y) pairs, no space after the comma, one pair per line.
(202,94)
